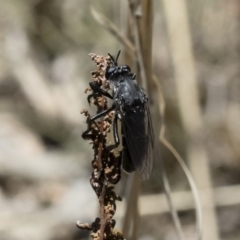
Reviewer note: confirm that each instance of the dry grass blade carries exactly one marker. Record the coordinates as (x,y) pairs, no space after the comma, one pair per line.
(187,90)
(129,205)
(145,26)
(142,26)
(112,28)
(173,211)
(131,211)
(138,46)
(199,224)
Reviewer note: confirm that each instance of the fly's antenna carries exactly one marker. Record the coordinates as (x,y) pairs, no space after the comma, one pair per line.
(118,55)
(112,58)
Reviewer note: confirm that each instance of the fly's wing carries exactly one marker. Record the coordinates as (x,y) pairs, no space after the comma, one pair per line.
(138,132)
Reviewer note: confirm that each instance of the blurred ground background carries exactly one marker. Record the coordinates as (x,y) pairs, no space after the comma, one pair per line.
(44,70)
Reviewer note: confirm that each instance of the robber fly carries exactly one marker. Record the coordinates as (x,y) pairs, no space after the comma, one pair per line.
(130,104)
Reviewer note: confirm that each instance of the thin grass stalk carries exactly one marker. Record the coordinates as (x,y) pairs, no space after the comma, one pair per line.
(166,185)
(134,19)
(114,30)
(181,162)
(187,91)
(145,29)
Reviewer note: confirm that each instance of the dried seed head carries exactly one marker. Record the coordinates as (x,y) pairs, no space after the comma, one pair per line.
(106,166)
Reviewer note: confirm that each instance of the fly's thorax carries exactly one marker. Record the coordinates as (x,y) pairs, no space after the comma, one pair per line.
(115,73)
(128,96)
(128,103)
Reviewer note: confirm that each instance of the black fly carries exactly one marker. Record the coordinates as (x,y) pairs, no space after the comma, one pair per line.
(130,103)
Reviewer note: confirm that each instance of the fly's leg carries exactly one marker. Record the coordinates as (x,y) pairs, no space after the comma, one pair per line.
(115,134)
(90,120)
(133,76)
(97,91)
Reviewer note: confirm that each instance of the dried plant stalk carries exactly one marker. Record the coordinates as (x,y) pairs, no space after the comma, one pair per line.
(190,111)
(106,165)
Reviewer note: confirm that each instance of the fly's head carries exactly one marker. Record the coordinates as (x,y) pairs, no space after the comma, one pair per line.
(115,72)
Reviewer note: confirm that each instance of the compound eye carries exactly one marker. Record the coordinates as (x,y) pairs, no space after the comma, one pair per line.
(127,68)
(109,72)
